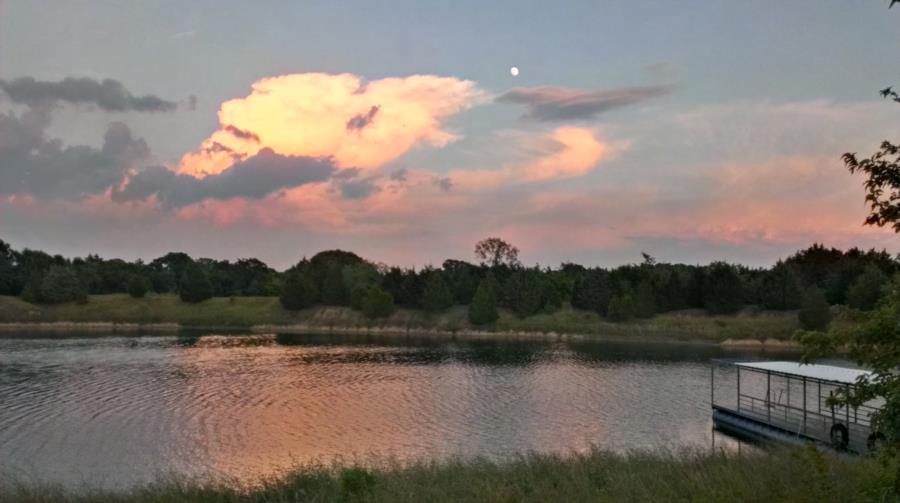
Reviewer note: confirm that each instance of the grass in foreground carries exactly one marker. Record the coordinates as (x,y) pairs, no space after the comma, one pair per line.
(785,475)
(243,312)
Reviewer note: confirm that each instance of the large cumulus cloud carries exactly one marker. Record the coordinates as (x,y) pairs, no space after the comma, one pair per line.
(357,123)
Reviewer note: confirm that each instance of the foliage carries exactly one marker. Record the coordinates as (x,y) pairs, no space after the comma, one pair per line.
(814,314)
(61,284)
(865,291)
(882,171)
(645,303)
(483,309)
(437,295)
(357,279)
(873,344)
(298,292)
(621,307)
(137,286)
(496,252)
(522,293)
(781,288)
(333,290)
(377,303)
(723,290)
(796,475)
(592,291)
(194,285)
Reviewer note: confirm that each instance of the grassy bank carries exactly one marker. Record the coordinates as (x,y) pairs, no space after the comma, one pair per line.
(796,475)
(245,312)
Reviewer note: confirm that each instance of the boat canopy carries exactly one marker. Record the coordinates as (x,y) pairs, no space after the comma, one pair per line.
(818,372)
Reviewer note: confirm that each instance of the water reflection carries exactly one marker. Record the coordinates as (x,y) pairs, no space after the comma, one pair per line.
(118,410)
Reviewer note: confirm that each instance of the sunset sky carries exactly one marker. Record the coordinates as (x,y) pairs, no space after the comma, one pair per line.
(693,131)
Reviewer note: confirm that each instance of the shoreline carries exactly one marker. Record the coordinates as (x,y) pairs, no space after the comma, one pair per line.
(112,328)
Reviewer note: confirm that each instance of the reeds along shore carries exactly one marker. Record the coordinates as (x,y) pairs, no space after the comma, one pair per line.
(785,475)
(166,313)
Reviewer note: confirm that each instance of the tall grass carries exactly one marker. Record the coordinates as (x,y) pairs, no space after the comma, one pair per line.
(788,475)
(245,312)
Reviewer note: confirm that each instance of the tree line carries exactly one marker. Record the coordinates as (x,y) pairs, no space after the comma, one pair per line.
(811,279)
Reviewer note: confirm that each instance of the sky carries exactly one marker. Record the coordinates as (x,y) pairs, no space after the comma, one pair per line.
(693,131)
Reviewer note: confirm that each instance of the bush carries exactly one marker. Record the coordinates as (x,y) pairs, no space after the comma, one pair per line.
(437,295)
(483,308)
(194,285)
(865,291)
(621,308)
(298,292)
(137,287)
(815,313)
(377,303)
(61,284)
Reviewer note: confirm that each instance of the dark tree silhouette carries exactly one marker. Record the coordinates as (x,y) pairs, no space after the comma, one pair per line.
(495,252)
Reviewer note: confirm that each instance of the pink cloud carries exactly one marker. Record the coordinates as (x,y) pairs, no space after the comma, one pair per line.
(358,124)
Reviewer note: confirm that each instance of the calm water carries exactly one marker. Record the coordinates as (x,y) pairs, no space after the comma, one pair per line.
(114,411)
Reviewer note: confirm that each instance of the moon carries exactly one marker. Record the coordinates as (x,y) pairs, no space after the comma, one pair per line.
(514,71)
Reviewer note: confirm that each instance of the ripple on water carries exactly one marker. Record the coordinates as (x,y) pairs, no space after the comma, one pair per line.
(117,411)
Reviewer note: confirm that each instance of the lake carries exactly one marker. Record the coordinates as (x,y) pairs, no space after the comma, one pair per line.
(118,411)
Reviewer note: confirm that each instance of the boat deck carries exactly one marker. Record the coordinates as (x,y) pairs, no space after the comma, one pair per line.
(780,421)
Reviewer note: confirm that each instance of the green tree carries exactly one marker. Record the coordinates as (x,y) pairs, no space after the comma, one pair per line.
(645,301)
(137,286)
(814,314)
(592,291)
(522,293)
(194,285)
(483,309)
(621,307)
(298,292)
(496,252)
(61,284)
(865,291)
(357,279)
(377,303)
(723,290)
(437,295)
(781,288)
(873,344)
(333,291)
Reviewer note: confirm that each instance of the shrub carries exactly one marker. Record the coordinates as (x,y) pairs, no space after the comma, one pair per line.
(815,314)
(137,286)
(194,285)
(356,483)
(298,292)
(483,308)
(61,284)
(377,303)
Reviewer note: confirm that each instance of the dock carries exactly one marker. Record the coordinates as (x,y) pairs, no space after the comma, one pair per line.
(792,402)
